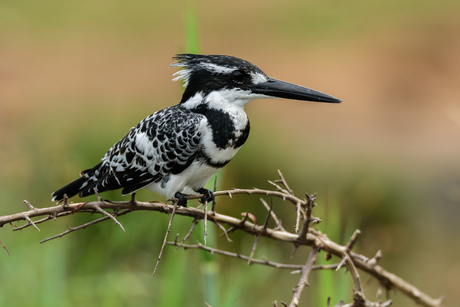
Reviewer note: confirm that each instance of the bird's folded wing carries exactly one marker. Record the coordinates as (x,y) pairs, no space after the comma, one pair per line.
(164,143)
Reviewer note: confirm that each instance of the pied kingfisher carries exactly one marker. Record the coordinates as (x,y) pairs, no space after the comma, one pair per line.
(178,149)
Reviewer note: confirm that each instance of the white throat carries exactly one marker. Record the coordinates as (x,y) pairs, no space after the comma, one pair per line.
(226,100)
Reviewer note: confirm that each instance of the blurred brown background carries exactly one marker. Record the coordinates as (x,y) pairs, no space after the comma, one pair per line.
(75,76)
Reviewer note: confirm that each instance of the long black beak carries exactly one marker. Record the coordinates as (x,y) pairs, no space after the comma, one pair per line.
(281,89)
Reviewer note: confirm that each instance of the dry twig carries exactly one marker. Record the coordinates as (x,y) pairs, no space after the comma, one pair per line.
(264,261)
(273,215)
(166,237)
(195,222)
(4,247)
(353,261)
(303,281)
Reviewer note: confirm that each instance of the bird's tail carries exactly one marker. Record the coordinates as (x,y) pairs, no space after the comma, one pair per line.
(99,177)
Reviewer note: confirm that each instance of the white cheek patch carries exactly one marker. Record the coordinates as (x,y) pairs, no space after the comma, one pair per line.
(227,99)
(258,78)
(230,100)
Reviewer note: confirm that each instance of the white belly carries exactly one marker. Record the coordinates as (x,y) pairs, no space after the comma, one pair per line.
(194,177)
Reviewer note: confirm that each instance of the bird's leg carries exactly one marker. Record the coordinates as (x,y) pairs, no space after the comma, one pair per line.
(208,195)
(182,199)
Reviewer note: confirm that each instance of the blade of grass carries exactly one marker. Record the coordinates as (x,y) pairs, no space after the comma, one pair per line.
(210,269)
(330,283)
(191,29)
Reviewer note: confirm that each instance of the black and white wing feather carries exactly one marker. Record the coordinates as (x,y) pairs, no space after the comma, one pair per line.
(163,144)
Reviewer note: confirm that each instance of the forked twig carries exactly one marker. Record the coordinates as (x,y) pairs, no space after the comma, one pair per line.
(98,208)
(72,229)
(195,222)
(264,261)
(283,181)
(31,222)
(223,229)
(110,216)
(273,215)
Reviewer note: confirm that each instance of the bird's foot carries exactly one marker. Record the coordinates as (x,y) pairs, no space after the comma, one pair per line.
(182,199)
(208,195)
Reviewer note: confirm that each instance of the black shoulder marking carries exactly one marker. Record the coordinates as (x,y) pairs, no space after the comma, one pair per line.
(223,130)
(243,137)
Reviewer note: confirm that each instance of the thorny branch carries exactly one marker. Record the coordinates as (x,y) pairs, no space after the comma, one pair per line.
(307,236)
(264,261)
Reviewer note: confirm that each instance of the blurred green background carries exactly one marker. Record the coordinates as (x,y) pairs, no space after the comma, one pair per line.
(75,76)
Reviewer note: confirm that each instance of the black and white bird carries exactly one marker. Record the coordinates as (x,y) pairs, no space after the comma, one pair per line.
(175,151)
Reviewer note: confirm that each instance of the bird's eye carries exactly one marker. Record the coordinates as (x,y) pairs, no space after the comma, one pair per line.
(238,76)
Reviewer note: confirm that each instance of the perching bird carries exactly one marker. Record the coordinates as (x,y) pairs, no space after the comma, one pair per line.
(178,149)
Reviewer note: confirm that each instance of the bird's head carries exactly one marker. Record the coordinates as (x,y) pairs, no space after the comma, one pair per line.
(222,79)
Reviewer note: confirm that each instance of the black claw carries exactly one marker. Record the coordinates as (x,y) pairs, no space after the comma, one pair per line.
(182,199)
(208,195)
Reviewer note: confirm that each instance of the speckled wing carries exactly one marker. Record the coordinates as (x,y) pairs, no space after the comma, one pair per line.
(164,143)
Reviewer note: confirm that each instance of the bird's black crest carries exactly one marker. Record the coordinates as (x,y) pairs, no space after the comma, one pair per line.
(199,72)
(194,60)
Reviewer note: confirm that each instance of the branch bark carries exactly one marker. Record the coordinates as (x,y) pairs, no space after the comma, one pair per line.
(311,237)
